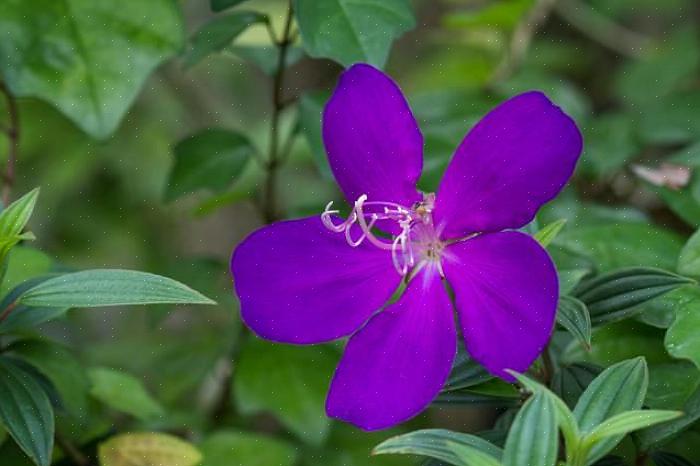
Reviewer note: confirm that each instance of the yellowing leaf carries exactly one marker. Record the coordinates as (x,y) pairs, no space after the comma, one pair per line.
(148,449)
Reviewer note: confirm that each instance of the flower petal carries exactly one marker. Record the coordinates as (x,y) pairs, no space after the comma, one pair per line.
(518,157)
(506,293)
(396,365)
(373,142)
(298,282)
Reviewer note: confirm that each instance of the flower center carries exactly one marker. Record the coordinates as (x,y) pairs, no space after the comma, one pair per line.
(417,243)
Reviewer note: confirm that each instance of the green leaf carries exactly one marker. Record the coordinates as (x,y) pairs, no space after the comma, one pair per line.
(662,458)
(25,410)
(289,382)
(470,456)
(611,142)
(570,381)
(86,58)
(24,263)
(682,339)
(689,259)
(621,387)
(435,443)
(123,392)
(310,111)
(549,232)
(466,372)
(230,448)
(211,159)
(61,367)
(24,317)
(147,449)
(614,295)
(672,120)
(221,5)
(13,220)
(218,33)
(267,58)
(110,287)
(573,315)
(533,438)
(351,31)
(629,421)
(658,435)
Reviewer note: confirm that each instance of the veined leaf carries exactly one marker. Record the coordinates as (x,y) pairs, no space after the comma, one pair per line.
(533,438)
(547,234)
(470,456)
(630,421)
(573,315)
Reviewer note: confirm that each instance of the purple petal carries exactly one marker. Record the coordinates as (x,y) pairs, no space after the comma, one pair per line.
(373,142)
(518,157)
(396,365)
(301,283)
(506,293)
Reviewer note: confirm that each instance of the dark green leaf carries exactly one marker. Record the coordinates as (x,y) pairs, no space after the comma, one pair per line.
(573,315)
(24,317)
(465,372)
(533,437)
(46,51)
(434,443)
(348,31)
(211,159)
(289,382)
(662,458)
(613,296)
(109,287)
(221,5)
(218,33)
(610,144)
(123,392)
(230,448)
(659,435)
(689,259)
(682,338)
(569,382)
(26,412)
(672,120)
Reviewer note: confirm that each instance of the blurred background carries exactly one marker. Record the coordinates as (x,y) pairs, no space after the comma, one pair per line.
(625,70)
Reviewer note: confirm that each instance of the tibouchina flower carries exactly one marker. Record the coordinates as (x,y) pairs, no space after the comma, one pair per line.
(321,278)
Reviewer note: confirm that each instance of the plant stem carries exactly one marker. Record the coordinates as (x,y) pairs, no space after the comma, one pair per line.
(6,312)
(278,104)
(71,451)
(12,131)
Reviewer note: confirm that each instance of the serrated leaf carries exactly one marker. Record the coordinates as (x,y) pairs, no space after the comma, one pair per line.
(349,31)
(123,392)
(614,295)
(219,33)
(43,53)
(110,287)
(433,443)
(211,159)
(470,456)
(25,410)
(230,448)
(533,438)
(573,315)
(221,5)
(547,234)
(619,388)
(147,449)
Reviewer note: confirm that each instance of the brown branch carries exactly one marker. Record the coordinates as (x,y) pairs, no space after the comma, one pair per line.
(12,131)
(71,451)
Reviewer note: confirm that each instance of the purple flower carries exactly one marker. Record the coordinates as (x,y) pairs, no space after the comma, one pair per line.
(321,278)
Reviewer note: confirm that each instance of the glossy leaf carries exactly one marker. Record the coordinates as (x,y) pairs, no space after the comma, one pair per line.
(110,287)
(289,382)
(231,448)
(211,159)
(348,31)
(435,443)
(25,411)
(470,456)
(123,392)
(613,296)
(221,5)
(573,315)
(533,437)
(218,33)
(547,234)
(147,449)
(46,52)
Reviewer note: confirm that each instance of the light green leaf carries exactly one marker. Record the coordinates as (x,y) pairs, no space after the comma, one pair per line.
(147,449)
(573,315)
(25,411)
(621,387)
(218,33)
(689,259)
(15,217)
(533,438)
(24,263)
(615,295)
(435,443)
(629,421)
(352,31)
(123,392)
(211,159)
(682,338)
(289,382)
(221,5)
(230,448)
(110,287)
(470,456)
(549,232)
(89,59)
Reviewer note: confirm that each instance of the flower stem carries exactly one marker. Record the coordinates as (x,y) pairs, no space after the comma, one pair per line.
(278,104)
(6,312)
(12,131)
